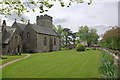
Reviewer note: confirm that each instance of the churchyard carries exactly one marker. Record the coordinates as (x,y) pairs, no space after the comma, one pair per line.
(57,64)
(72,43)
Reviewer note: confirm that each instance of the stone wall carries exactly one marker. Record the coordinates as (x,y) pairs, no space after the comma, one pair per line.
(12,46)
(15,25)
(46,48)
(30,46)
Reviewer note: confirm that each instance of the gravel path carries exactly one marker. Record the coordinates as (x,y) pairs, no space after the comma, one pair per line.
(28,55)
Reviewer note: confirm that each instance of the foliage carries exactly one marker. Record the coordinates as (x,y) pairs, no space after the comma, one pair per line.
(107,66)
(88,35)
(57,64)
(87,48)
(59,30)
(80,47)
(65,34)
(111,39)
(10,7)
(74,36)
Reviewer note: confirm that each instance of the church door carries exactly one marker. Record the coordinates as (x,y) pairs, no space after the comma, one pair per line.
(51,44)
(19,49)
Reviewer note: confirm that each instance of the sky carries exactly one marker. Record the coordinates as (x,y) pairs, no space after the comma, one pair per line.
(99,15)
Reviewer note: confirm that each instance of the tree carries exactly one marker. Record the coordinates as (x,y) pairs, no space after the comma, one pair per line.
(111,39)
(67,34)
(88,35)
(92,37)
(59,31)
(74,36)
(10,7)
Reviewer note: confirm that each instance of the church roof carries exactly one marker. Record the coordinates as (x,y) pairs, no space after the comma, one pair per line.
(7,36)
(22,26)
(44,30)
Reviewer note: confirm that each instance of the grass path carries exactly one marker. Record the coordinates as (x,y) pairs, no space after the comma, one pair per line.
(58,64)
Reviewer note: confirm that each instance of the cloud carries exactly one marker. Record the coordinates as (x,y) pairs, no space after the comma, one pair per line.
(77,15)
(60,20)
(13,17)
(101,28)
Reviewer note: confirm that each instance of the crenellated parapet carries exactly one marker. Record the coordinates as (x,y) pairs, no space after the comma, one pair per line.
(44,20)
(44,17)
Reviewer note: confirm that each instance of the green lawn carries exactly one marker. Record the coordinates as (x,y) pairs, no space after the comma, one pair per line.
(58,64)
(10,58)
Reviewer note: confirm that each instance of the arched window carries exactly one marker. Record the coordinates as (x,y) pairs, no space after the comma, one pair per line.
(16,38)
(45,41)
(54,41)
(21,36)
(28,37)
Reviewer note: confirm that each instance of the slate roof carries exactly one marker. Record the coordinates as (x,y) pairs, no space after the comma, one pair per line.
(22,26)
(44,30)
(7,36)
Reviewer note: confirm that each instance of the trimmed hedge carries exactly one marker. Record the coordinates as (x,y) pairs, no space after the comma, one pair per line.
(80,47)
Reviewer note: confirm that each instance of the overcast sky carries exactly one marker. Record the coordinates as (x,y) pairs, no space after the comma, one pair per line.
(99,15)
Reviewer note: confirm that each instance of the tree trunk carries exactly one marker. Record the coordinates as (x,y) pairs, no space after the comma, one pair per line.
(89,44)
(74,41)
(66,40)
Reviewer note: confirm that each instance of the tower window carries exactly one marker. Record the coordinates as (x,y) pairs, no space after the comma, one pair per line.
(45,41)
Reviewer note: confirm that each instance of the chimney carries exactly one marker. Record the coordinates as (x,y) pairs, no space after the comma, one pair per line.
(44,21)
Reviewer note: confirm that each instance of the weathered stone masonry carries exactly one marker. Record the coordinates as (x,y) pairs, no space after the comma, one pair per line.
(30,37)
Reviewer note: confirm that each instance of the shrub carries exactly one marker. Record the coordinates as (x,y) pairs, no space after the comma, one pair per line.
(87,49)
(80,47)
(29,51)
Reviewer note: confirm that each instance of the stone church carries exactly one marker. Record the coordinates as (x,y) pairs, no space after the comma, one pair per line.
(29,38)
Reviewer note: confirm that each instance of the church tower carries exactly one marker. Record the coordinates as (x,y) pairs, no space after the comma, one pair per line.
(44,20)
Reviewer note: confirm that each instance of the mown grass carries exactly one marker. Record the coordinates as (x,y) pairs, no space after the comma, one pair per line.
(10,58)
(57,64)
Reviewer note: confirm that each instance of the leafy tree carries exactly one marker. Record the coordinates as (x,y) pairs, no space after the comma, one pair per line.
(88,35)
(59,30)
(10,7)
(67,33)
(111,39)
(53,26)
(74,36)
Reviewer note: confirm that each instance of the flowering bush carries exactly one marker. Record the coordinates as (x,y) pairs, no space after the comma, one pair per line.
(80,47)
